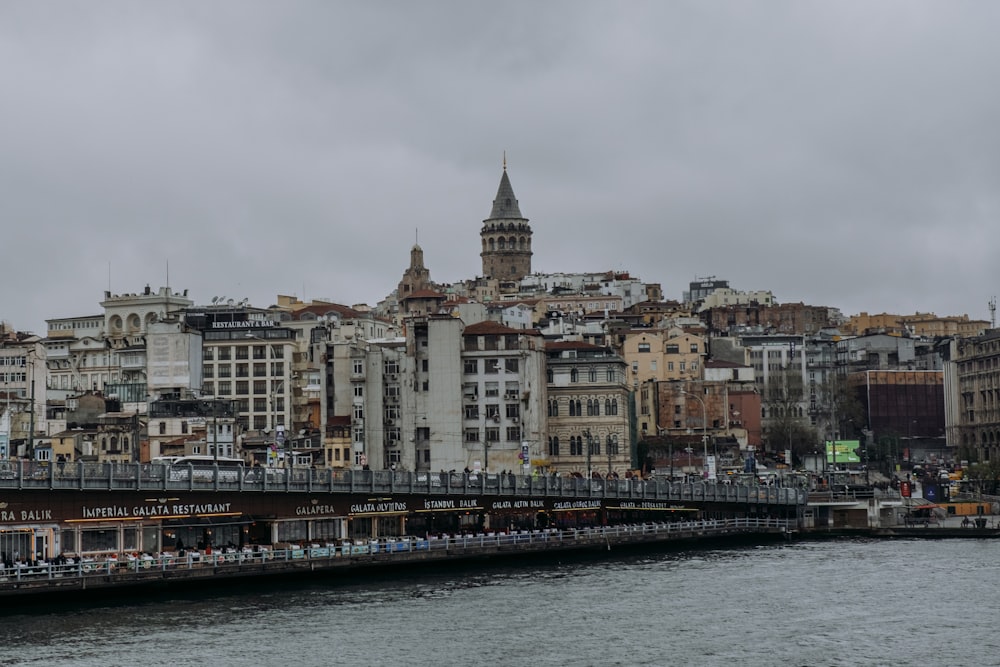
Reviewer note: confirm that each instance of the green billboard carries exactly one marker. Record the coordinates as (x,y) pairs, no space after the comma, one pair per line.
(842,451)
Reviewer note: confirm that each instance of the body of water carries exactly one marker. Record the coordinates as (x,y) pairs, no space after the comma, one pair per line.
(861,602)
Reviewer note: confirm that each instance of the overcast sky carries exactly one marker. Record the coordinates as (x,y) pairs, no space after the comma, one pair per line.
(841,154)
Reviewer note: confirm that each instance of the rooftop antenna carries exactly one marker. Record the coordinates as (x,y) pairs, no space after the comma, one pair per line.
(993,312)
(168,273)
(505,160)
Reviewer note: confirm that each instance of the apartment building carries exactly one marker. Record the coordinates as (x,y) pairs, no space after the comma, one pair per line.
(589,425)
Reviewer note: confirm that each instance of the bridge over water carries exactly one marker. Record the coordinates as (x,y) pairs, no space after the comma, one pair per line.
(104,477)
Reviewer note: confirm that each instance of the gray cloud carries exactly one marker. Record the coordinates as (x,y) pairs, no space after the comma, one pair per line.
(841,154)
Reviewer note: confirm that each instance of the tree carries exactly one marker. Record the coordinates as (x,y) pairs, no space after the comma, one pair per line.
(786,421)
(985,477)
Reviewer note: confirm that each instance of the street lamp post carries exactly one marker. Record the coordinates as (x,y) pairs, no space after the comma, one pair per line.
(278,387)
(612,443)
(704,430)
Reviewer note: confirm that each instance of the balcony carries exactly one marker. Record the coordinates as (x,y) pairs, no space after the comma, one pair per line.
(132,363)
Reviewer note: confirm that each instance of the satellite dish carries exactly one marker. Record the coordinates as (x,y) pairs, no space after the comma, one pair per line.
(214,300)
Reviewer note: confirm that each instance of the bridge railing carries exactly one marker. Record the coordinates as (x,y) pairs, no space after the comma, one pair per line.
(19,474)
(262,558)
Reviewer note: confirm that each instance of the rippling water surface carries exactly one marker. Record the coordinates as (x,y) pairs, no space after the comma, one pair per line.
(809,603)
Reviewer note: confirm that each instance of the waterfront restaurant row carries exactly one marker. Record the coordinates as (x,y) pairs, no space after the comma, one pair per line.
(42,525)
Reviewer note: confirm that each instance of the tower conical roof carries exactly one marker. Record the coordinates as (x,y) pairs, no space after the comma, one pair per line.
(505,205)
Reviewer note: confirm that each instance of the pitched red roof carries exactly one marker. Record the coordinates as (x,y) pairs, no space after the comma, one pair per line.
(425,294)
(489,327)
(571,345)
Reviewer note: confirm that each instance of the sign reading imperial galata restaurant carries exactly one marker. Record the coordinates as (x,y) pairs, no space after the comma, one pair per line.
(157,510)
(28,512)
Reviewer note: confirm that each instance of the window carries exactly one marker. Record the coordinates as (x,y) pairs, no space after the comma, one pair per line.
(513,433)
(492,389)
(610,377)
(470,366)
(592,374)
(593,408)
(492,411)
(359,390)
(575,445)
(549,375)
(513,411)
(554,445)
(472,412)
(673,349)
(510,365)
(492,434)
(242,388)
(471,435)
(643,347)
(694,348)
(574,375)
(260,386)
(358,366)
(163,428)
(492,366)
(242,353)
(553,408)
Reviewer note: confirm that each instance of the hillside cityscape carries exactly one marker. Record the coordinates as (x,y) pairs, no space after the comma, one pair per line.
(582,374)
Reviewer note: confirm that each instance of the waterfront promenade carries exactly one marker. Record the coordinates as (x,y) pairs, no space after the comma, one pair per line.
(89,574)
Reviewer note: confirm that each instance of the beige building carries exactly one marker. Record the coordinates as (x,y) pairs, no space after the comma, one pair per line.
(663,354)
(587,408)
(926,325)
(972,397)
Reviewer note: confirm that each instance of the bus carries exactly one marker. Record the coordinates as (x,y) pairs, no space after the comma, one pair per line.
(203,468)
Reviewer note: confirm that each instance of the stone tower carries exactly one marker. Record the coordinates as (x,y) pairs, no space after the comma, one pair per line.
(415,278)
(506,236)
